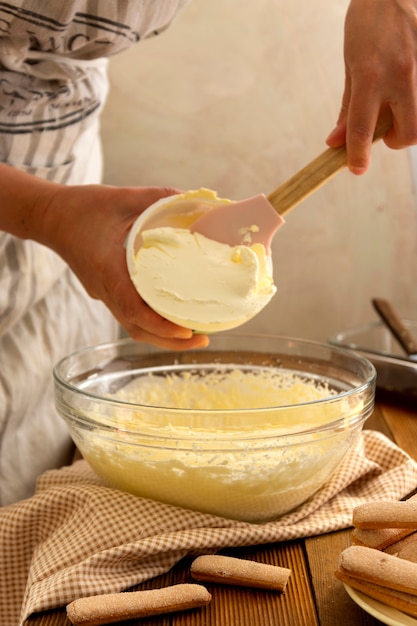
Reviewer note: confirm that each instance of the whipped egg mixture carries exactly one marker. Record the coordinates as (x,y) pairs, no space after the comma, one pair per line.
(223,449)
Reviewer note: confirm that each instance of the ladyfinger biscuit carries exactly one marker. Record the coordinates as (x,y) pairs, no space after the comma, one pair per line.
(379,568)
(379,538)
(116,607)
(404,602)
(231,571)
(405,548)
(386,515)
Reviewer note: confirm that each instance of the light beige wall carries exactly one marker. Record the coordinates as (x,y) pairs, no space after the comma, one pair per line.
(237,97)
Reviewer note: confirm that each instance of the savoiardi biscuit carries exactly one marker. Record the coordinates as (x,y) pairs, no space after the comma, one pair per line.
(374,566)
(405,602)
(232,571)
(405,548)
(116,607)
(379,538)
(382,514)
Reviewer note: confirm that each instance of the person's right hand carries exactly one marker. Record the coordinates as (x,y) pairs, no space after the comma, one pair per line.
(87,226)
(380,48)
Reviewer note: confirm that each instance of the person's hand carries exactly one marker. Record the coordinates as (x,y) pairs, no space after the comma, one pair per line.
(87,226)
(380,51)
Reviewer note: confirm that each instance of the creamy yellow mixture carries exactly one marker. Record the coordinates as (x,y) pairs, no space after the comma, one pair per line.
(230,462)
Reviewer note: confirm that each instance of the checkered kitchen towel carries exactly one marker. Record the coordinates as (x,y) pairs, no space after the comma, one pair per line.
(76,537)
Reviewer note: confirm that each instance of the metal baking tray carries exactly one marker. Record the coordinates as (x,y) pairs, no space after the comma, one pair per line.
(395,372)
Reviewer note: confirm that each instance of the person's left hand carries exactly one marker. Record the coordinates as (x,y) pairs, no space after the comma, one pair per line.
(380,50)
(88,225)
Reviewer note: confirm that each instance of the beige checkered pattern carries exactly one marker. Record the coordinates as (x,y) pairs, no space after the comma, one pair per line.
(76,537)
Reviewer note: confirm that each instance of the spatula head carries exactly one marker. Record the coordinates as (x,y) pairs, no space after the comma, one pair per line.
(249,221)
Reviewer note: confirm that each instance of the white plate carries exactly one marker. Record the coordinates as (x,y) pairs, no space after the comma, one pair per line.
(386,614)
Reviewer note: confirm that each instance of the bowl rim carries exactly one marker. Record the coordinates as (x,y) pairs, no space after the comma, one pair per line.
(369,381)
(342,338)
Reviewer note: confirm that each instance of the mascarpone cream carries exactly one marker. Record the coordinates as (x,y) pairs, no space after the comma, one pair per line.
(199,282)
(190,279)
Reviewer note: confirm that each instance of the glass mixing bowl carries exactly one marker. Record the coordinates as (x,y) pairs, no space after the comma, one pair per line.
(248,428)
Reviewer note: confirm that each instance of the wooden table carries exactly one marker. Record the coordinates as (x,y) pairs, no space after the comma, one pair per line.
(314,597)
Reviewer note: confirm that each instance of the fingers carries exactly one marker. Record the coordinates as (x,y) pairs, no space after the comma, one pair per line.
(147,326)
(355,126)
(361,126)
(144,324)
(359,136)
(404,129)
(380,52)
(194,342)
(150,195)
(370,100)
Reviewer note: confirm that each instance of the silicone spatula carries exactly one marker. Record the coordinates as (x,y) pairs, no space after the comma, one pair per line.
(256,219)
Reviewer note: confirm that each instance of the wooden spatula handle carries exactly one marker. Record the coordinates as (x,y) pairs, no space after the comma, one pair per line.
(317,172)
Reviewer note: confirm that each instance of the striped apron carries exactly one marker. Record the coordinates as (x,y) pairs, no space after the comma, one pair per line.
(53,85)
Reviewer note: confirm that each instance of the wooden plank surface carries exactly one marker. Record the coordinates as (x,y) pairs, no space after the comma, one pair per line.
(233,606)
(401,419)
(236,606)
(334,606)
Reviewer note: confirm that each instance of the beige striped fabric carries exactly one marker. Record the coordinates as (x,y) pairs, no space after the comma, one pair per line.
(76,537)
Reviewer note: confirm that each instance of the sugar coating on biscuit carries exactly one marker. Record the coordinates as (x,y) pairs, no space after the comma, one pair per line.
(383,514)
(378,538)
(405,548)
(380,568)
